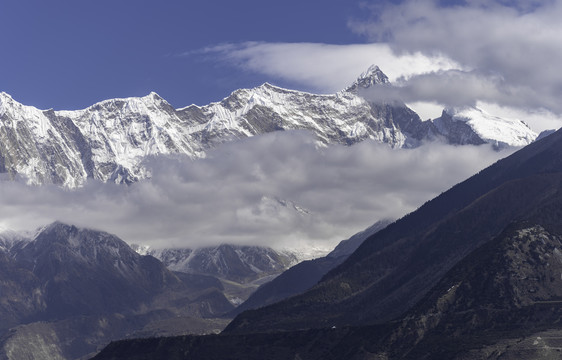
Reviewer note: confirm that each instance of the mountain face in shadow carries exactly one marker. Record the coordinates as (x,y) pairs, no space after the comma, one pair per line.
(67,291)
(392,270)
(306,274)
(503,301)
(512,286)
(473,273)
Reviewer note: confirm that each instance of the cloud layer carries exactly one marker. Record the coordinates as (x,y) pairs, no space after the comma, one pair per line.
(323,67)
(499,52)
(513,49)
(276,190)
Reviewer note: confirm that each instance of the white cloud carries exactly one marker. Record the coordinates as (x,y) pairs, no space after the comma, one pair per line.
(246,193)
(324,67)
(513,51)
(538,119)
(499,52)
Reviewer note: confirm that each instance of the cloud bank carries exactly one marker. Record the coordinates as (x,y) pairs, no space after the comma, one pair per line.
(499,52)
(324,67)
(277,190)
(512,50)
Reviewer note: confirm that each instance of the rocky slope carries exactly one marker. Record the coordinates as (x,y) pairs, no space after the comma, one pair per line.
(241,269)
(508,289)
(111,140)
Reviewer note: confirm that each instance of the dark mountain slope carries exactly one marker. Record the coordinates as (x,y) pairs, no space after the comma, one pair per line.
(494,304)
(474,274)
(510,287)
(395,268)
(85,272)
(306,274)
(293,281)
(69,290)
(18,293)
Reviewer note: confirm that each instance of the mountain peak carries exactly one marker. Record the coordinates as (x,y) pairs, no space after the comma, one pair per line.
(154,96)
(5,100)
(465,122)
(5,95)
(373,76)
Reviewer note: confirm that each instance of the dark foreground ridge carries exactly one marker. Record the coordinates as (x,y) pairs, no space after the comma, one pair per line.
(493,304)
(475,271)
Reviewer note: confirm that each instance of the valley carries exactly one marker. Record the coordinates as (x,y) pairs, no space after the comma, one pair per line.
(474,273)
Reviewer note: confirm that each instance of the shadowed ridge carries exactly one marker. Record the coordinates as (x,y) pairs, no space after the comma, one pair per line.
(393,269)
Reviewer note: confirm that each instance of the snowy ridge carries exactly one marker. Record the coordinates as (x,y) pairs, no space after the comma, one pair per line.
(333,118)
(110,140)
(238,263)
(491,129)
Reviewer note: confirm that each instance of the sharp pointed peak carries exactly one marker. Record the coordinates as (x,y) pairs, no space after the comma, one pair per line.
(374,71)
(6,98)
(153,95)
(371,77)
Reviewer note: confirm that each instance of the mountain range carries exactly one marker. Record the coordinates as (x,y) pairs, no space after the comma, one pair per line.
(472,274)
(65,291)
(231,262)
(392,270)
(241,269)
(113,139)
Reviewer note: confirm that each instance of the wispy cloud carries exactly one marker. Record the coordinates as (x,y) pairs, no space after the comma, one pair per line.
(499,52)
(459,88)
(513,49)
(277,190)
(325,68)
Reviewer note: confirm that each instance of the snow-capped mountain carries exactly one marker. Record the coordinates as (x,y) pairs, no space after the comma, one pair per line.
(470,125)
(110,140)
(236,263)
(373,76)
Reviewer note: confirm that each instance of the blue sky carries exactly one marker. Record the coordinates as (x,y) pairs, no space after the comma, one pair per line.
(502,54)
(68,54)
